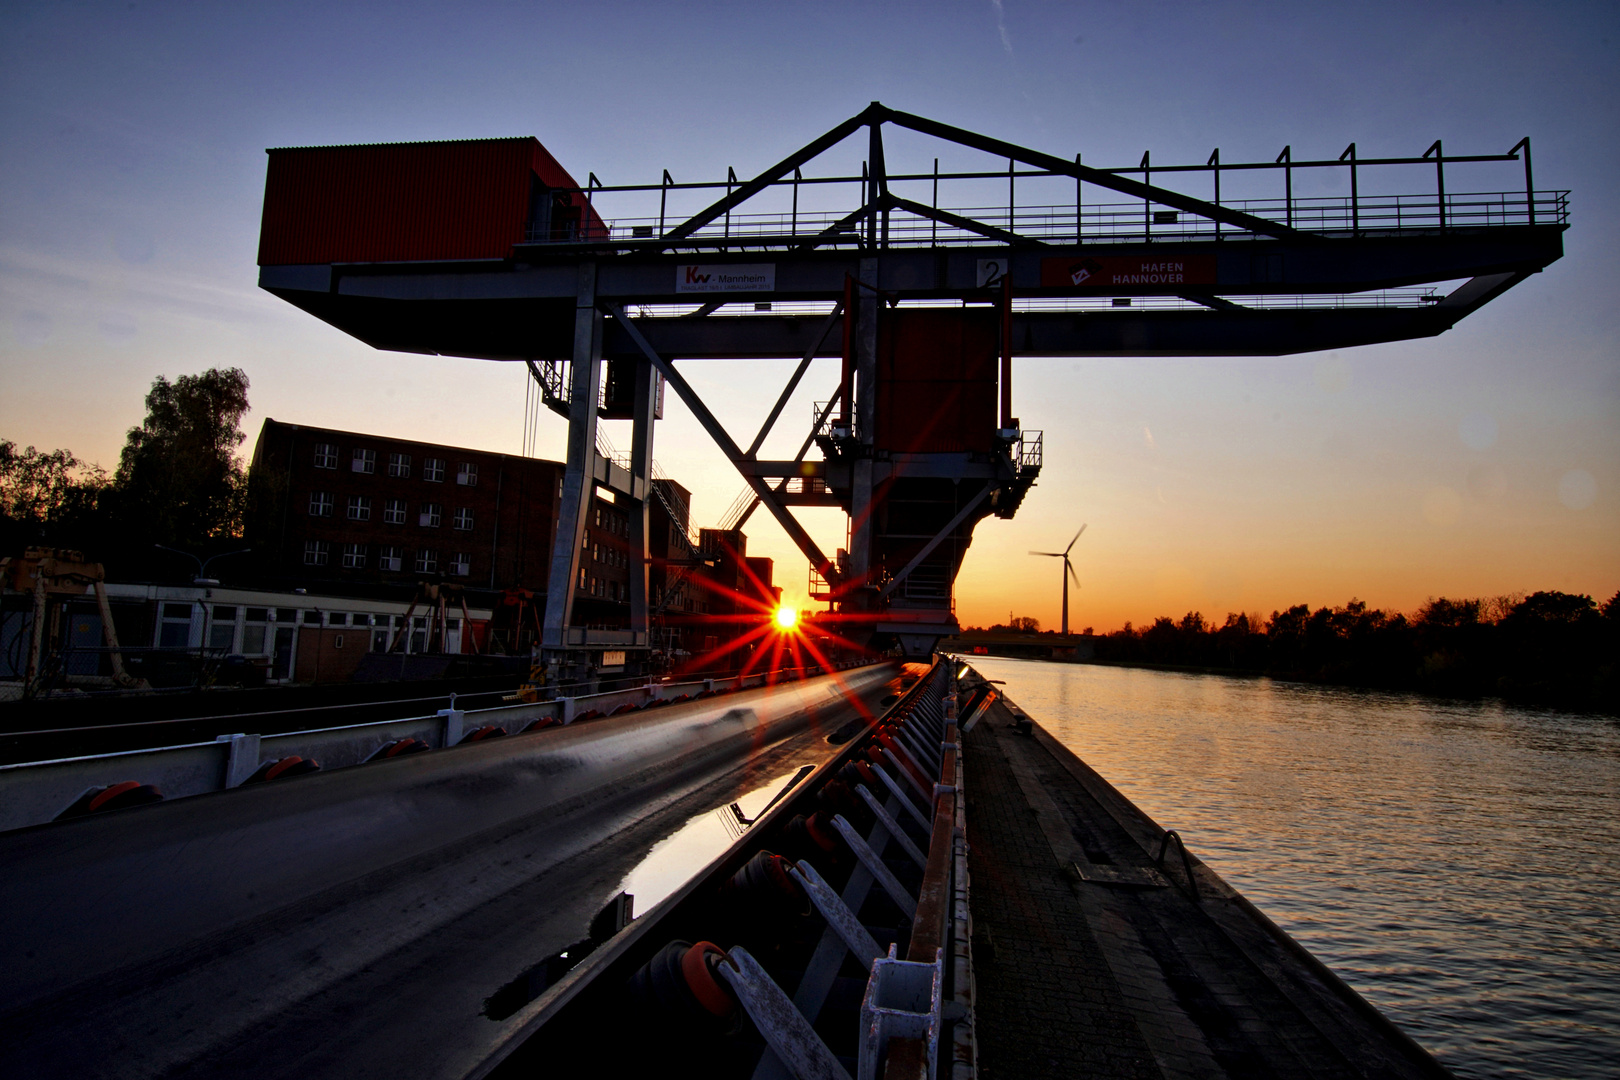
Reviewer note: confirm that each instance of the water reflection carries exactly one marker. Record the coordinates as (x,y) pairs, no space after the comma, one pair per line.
(1455,862)
(675,859)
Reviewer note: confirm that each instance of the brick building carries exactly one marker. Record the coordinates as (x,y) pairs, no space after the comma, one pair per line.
(342,505)
(361,511)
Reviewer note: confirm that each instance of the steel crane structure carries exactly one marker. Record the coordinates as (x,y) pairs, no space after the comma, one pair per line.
(490,250)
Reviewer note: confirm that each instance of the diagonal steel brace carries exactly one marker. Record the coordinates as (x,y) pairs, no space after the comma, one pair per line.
(723,440)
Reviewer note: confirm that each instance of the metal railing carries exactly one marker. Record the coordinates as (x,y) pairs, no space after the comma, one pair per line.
(828,424)
(1186,861)
(738,510)
(873,210)
(1410,297)
(35,792)
(1029,450)
(1127,222)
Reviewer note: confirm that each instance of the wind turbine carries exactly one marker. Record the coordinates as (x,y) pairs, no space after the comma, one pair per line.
(1068,572)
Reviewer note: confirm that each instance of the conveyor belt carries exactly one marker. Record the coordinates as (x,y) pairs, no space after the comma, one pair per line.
(353,923)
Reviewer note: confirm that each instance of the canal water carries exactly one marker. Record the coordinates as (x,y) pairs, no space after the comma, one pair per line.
(1457,863)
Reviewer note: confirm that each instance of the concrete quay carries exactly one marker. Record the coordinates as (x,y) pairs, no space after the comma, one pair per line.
(1093,956)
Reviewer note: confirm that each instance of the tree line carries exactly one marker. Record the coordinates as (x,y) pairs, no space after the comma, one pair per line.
(179,482)
(1551,648)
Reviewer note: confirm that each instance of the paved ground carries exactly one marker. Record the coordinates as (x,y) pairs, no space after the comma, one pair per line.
(1091,961)
(1047,1005)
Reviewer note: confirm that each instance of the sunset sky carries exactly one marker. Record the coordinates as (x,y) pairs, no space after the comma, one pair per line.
(1483,462)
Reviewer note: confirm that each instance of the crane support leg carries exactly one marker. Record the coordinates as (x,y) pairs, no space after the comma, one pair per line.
(585,375)
(642,481)
(863,341)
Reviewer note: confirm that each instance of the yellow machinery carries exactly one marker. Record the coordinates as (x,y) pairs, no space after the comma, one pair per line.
(60,573)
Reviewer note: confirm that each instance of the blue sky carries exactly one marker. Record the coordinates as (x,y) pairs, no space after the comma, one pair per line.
(1481,462)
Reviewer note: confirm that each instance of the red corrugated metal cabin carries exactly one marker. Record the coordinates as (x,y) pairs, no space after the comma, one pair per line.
(417,202)
(936,373)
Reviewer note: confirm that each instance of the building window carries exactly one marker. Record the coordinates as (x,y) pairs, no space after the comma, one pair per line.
(359,507)
(222,634)
(433,470)
(583,577)
(255,631)
(467,474)
(394,512)
(320,504)
(316,552)
(461,564)
(464,519)
(365,461)
(430,516)
(399,465)
(391,558)
(325,455)
(354,556)
(427,561)
(175,631)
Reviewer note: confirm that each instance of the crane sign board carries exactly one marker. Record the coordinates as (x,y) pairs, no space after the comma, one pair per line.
(1127,271)
(725,277)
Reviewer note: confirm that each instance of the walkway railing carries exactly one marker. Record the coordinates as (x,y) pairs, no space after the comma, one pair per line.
(36,792)
(1131,222)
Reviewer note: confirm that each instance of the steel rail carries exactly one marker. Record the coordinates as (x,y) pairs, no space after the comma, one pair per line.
(259,716)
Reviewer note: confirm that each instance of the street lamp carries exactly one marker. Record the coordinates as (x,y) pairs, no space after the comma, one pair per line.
(202,577)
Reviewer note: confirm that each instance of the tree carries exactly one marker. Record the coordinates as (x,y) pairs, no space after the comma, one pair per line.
(1554,609)
(179,480)
(1558,646)
(43,494)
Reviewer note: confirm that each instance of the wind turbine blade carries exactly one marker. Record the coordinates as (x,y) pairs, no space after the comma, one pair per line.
(1070,568)
(1054,554)
(1076,537)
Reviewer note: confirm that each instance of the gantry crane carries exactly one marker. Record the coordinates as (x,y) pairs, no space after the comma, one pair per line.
(491,249)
